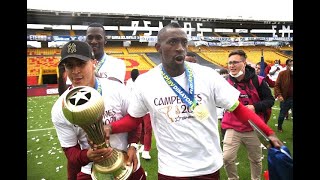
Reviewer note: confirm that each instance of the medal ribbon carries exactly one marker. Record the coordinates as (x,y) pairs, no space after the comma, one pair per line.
(101,62)
(187,98)
(97,86)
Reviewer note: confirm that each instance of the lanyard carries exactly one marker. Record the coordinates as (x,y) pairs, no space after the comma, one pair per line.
(97,86)
(101,62)
(187,98)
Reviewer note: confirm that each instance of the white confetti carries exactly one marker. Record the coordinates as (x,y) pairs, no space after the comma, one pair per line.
(39,163)
(237,163)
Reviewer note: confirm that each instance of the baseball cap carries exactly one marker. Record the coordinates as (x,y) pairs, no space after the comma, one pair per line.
(76,49)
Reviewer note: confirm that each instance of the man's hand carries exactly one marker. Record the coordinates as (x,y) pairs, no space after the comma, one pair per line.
(280,98)
(276,143)
(132,157)
(99,155)
(108,130)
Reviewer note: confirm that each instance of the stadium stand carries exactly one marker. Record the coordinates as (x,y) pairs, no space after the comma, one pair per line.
(137,49)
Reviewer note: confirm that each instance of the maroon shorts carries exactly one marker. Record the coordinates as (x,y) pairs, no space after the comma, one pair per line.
(213,176)
(138,175)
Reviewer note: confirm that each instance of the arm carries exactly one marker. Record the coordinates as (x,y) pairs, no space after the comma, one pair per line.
(273,70)
(269,81)
(125,124)
(244,114)
(133,137)
(277,86)
(72,168)
(76,157)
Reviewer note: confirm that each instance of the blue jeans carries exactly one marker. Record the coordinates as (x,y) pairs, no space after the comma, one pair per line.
(284,108)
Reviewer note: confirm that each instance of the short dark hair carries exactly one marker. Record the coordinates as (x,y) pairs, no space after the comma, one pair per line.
(95,24)
(223,71)
(134,74)
(164,29)
(288,60)
(238,52)
(265,64)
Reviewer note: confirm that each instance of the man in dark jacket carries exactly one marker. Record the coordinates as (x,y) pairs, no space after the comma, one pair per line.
(283,90)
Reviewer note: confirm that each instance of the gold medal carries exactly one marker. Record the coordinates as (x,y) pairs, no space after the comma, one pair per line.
(200,112)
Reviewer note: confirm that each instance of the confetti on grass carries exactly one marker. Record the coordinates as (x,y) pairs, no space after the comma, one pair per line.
(58,168)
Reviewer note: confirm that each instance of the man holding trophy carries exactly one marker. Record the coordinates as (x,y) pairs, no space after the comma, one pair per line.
(80,114)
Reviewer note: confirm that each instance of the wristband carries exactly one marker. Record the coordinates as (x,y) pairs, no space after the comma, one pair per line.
(135,145)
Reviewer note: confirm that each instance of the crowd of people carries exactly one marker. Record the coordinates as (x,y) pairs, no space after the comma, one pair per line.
(176,102)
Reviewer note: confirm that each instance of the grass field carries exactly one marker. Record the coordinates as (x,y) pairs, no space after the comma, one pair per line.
(46,160)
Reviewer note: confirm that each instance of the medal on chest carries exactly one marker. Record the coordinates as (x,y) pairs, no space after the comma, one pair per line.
(201,112)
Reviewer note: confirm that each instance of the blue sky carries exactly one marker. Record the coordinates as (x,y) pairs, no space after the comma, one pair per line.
(273,10)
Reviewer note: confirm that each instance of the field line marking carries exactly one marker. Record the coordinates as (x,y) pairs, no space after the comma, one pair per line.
(35,130)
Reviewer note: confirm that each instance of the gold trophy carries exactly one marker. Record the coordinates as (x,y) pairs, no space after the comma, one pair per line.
(83,106)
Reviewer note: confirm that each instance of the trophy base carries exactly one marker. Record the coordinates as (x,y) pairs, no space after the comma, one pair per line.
(122,173)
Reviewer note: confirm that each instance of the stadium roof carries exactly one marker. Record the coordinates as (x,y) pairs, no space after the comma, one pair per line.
(266,10)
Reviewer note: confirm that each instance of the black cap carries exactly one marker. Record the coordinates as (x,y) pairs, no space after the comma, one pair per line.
(76,49)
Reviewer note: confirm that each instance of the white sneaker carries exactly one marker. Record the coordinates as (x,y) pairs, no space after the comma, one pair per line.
(141,148)
(145,155)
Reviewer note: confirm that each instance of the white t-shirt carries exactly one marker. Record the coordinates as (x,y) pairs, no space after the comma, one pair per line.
(112,67)
(116,102)
(129,84)
(220,112)
(275,75)
(186,146)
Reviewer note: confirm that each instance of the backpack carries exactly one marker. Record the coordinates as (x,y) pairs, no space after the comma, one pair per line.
(280,164)
(256,81)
